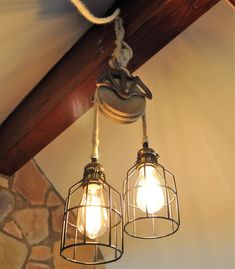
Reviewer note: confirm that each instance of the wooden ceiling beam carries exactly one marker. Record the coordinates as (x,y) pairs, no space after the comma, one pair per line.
(64,94)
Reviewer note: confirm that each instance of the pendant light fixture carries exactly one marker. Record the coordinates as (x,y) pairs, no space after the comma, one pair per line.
(150,196)
(93,219)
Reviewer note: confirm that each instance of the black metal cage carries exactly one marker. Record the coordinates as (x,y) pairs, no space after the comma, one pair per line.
(151,209)
(76,245)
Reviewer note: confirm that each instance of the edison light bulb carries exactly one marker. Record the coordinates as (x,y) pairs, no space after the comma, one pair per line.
(149,195)
(92,216)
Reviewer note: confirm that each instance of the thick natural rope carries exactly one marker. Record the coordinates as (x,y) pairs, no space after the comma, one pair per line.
(123,52)
(95,132)
(144,125)
(90,17)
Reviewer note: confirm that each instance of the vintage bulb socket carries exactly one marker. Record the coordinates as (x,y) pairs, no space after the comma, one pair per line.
(93,173)
(146,155)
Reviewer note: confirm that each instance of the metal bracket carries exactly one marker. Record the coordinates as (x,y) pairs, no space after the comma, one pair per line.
(123,84)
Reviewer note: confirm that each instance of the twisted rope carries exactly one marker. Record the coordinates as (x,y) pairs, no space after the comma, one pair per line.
(90,17)
(123,52)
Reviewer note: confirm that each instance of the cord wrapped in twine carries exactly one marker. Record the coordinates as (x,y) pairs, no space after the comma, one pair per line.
(95,133)
(144,127)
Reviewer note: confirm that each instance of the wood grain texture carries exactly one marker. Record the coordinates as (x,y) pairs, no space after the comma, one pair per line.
(64,94)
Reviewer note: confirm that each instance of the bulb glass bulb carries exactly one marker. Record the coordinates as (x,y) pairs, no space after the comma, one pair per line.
(150,195)
(92,217)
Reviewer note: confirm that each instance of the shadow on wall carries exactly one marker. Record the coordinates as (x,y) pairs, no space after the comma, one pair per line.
(31,213)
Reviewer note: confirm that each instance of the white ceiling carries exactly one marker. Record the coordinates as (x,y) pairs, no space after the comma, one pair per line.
(34,35)
(191,124)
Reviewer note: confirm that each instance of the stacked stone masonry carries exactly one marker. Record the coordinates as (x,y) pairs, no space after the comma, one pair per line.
(31,213)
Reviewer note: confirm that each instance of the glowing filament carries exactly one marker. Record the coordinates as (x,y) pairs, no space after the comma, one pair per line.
(92,217)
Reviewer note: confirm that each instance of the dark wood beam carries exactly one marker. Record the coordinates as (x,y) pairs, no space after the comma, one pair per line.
(231,3)
(64,94)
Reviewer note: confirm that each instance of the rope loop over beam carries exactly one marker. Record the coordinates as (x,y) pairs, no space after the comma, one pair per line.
(82,8)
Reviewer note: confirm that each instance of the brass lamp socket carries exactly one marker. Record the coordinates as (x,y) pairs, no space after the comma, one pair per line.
(146,155)
(93,173)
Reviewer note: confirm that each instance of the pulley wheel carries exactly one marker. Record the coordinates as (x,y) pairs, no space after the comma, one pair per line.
(118,109)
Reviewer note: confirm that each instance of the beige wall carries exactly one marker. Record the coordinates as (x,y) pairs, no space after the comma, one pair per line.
(191,125)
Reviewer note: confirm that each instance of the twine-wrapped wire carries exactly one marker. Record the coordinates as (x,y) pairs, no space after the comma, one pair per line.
(95,133)
(144,128)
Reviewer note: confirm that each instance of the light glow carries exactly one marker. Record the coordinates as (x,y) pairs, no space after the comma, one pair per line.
(92,217)
(150,195)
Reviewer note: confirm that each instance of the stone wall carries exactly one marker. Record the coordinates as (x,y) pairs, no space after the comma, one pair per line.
(31,213)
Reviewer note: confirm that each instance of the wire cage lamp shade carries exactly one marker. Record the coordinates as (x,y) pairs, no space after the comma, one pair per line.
(150,197)
(93,220)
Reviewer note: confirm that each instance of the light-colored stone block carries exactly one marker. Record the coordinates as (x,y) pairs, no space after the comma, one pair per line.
(33,223)
(53,200)
(12,252)
(12,229)
(40,253)
(31,184)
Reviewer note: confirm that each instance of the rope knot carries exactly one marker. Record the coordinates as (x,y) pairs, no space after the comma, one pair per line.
(123,52)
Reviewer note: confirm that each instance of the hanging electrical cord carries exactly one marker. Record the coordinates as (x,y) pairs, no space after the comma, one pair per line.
(144,127)
(95,134)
